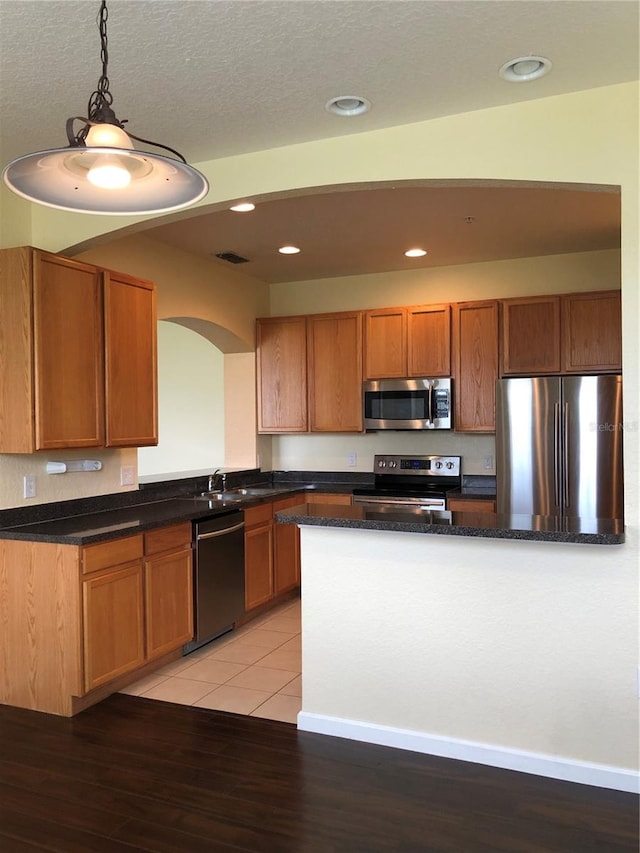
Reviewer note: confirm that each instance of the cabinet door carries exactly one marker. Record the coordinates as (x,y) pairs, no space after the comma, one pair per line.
(530,332)
(113,624)
(385,344)
(334,349)
(429,340)
(68,347)
(281,354)
(258,562)
(476,366)
(286,549)
(168,601)
(130,361)
(592,332)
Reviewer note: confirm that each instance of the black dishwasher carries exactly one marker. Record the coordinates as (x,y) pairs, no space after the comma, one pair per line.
(218,576)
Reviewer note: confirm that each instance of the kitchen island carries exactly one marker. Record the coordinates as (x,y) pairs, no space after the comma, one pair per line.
(431,635)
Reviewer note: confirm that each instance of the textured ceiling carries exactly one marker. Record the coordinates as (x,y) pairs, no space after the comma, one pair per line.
(223,77)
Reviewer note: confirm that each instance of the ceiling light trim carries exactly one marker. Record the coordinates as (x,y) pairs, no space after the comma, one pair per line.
(348,105)
(523,69)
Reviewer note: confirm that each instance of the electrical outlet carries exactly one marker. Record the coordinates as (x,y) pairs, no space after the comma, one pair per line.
(352,458)
(127,475)
(488,462)
(29,484)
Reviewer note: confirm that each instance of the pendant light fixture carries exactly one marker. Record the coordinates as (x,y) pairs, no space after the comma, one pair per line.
(101,171)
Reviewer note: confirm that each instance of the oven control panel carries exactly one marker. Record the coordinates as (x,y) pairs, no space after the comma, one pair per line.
(439,466)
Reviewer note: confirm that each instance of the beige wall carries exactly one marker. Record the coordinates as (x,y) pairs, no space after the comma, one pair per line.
(490,280)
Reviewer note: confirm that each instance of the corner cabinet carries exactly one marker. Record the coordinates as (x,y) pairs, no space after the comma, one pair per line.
(475,359)
(78,344)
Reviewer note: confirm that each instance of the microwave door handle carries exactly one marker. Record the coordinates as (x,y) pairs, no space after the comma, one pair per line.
(430,410)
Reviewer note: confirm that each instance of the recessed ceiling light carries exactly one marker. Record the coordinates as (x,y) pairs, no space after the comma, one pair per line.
(244,207)
(525,68)
(348,105)
(288,250)
(416,253)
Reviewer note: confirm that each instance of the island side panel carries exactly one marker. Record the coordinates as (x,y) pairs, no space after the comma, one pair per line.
(524,647)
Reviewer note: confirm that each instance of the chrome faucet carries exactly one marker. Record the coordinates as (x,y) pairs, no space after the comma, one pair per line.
(217,481)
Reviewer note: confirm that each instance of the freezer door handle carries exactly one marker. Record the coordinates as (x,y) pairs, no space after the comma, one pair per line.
(565,442)
(557,455)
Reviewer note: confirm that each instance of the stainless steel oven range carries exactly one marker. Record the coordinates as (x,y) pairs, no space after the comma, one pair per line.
(420,482)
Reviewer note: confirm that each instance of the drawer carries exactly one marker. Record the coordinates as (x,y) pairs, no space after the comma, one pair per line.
(285,503)
(171,538)
(115,552)
(328,498)
(471,505)
(258,514)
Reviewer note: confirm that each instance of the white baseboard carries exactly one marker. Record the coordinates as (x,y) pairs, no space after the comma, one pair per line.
(567,769)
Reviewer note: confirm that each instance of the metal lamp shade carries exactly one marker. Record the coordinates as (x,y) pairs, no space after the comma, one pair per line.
(58,179)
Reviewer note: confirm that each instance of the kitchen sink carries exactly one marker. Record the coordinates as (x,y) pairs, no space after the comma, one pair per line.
(219,496)
(240,493)
(254,491)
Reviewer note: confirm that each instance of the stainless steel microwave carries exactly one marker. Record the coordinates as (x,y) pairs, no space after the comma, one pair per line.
(408,404)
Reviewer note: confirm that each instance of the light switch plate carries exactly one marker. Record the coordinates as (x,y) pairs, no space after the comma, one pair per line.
(29,485)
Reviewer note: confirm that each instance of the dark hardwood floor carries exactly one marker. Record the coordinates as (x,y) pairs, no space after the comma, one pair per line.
(135,774)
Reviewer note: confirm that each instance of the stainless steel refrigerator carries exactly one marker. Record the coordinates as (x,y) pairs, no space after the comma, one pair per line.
(559,446)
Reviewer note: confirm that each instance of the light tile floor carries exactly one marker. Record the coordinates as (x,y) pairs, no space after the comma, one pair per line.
(255,670)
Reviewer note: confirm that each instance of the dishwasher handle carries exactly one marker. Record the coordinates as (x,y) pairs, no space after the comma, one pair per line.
(222,532)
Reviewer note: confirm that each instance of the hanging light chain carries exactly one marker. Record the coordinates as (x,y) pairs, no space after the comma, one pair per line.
(99,107)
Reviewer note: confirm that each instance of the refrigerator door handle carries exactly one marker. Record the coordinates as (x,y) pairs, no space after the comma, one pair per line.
(565,442)
(557,455)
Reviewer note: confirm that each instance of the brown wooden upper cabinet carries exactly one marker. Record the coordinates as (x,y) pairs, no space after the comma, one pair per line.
(281,350)
(569,333)
(334,353)
(130,361)
(475,360)
(402,342)
(592,332)
(55,339)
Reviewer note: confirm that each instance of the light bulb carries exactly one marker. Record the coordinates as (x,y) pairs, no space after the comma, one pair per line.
(107,136)
(109,174)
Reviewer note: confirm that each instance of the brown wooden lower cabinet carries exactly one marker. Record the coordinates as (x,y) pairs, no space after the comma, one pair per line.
(258,555)
(471,505)
(328,498)
(113,613)
(286,549)
(272,552)
(168,586)
(75,620)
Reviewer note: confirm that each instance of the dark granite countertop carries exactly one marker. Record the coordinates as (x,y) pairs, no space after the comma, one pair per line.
(486,525)
(86,528)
